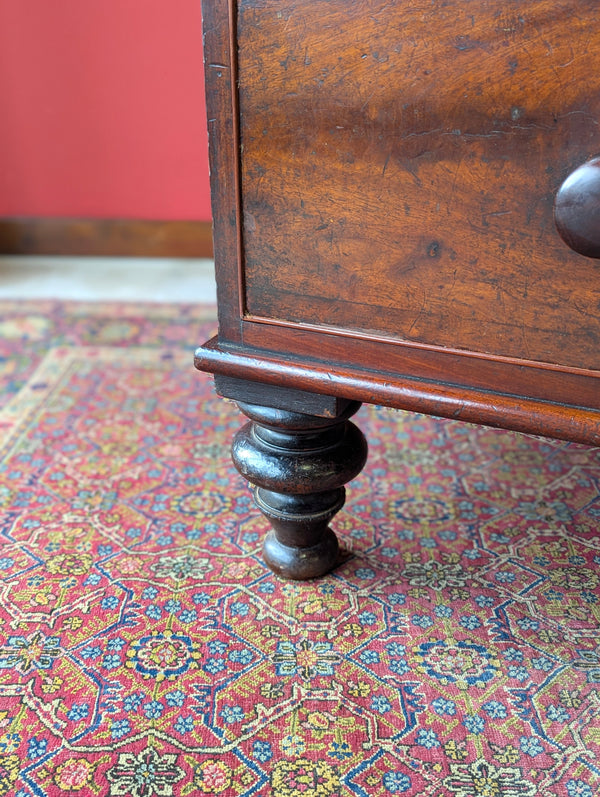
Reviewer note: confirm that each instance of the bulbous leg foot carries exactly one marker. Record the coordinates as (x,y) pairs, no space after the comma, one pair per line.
(299,464)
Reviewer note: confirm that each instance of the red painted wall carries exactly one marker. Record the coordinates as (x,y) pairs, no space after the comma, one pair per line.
(102,109)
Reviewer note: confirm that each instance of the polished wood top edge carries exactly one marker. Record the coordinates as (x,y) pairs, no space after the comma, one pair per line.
(501,410)
(409,344)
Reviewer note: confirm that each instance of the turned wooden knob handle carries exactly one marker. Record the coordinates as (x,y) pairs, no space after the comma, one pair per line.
(577,209)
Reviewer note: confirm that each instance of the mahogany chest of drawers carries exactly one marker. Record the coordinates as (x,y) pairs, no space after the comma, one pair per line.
(406,208)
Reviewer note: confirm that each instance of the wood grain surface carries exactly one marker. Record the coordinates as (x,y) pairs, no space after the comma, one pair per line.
(399,165)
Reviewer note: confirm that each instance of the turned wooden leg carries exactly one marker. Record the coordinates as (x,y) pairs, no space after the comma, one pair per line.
(299,464)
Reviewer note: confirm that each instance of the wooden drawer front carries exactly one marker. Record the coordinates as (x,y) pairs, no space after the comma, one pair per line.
(399,164)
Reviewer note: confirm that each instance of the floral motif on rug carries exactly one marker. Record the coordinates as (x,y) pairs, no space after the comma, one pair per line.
(146,650)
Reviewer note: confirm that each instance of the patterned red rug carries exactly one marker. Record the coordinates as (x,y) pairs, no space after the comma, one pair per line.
(145,649)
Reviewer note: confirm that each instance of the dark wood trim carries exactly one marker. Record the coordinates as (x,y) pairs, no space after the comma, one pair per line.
(397,358)
(105,237)
(580,424)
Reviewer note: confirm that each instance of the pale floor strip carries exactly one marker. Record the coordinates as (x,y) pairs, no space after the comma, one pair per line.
(108,278)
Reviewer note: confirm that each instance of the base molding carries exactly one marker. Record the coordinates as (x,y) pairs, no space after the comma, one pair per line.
(105,237)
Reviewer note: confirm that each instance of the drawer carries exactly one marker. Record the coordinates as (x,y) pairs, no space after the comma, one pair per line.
(400,162)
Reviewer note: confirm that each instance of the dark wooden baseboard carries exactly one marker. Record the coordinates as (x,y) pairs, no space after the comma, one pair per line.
(105,237)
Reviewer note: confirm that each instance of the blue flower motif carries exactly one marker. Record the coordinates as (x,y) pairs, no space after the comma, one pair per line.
(90,652)
(6,562)
(232,714)
(110,602)
(153,709)
(530,745)
(214,665)
(188,616)
(495,709)
(447,534)
(116,643)
(513,654)
(528,624)
(340,750)
(172,606)
(175,698)
(267,588)
(111,661)
(184,724)
(369,657)
(442,706)
(132,702)
(484,601)
(519,673)
(474,723)
(367,618)
(396,649)
(262,751)
(243,656)
(578,788)
(557,713)
(427,738)
(120,728)
(505,577)
(364,572)
(542,663)
(78,711)
(422,620)
(239,609)
(397,598)
(154,611)
(381,704)
(36,747)
(217,646)
(149,593)
(399,666)
(396,782)
(470,621)
(443,611)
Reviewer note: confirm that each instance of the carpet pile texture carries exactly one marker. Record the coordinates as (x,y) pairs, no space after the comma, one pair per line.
(146,650)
